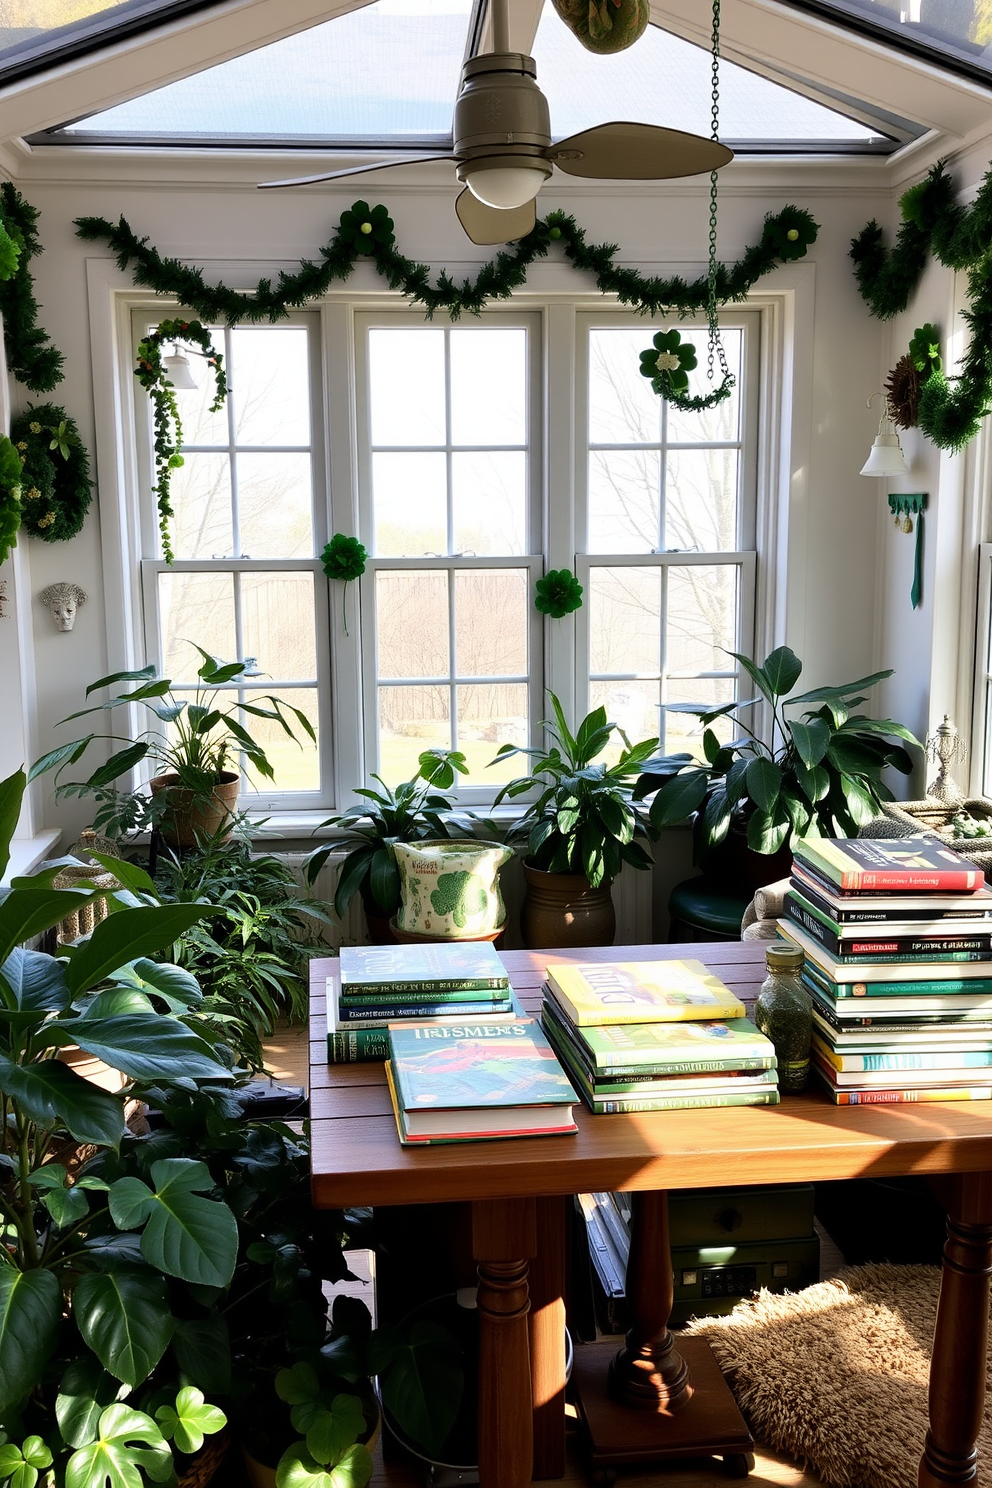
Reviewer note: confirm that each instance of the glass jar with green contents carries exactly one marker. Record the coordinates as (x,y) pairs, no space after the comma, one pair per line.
(783,1013)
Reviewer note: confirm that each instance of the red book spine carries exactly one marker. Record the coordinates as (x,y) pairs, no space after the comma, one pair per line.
(946,879)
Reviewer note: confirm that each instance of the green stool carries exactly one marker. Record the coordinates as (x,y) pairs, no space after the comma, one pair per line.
(701,910)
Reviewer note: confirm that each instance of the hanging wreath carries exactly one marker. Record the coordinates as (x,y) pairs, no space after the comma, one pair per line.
(902,391)
(10,496)
(558,593)
(55,472)
(168,432)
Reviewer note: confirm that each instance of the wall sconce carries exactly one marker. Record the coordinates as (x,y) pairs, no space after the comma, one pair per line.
(886,456)
(178,370)
(904,506)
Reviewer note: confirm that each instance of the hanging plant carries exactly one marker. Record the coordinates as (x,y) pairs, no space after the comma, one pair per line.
(55,472)
(344,559)
(558,593)
(168,434)
(10,496)
(605,26)
(31,356)
(668,361)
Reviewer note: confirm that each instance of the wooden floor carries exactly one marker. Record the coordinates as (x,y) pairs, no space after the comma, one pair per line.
(287,1054)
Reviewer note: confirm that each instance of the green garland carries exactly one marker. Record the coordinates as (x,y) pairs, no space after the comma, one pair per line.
(10,496)
(55,472)
(496,280)
(950,409)
(31,357)
(168,437)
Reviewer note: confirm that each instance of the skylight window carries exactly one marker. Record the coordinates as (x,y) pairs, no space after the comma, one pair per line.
(387,71)
(665,80)
(956,34)
(35,34)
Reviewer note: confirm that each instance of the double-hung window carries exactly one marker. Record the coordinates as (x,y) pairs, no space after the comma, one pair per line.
(245,583)
(669,518)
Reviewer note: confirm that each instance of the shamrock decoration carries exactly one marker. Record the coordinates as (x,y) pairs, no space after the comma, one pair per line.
(924,350)
(667,362)
(366,228)
(789,233)
(344,558)
(558,593)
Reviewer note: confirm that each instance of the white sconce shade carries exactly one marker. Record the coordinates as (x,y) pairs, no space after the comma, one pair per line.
(179,371)
(886,456)
(505,187)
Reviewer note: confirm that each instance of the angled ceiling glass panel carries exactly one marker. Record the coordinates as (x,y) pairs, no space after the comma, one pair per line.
(665,80)
(954,34)
(387,71)
(35,34)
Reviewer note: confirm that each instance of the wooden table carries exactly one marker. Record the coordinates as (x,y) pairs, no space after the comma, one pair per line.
(515,1190)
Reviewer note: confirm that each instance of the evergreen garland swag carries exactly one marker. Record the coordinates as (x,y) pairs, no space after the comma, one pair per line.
(950,409)
(168,436)
(31,356)
(55,472)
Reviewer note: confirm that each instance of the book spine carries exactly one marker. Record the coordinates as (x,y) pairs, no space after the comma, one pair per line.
(386,1012)
(680,1102)
(460,990)
(357,1045)
(978,986)
(660,1068)
(879,1063)
(900,880)
(807,896)
(884,948)
(894,1097)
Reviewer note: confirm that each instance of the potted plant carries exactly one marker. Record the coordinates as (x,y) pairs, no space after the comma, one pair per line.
(88,1257)
(817,773)
(413,812)
(583,825)
(191,741)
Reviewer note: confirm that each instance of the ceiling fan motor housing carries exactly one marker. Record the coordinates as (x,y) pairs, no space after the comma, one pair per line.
(501,117)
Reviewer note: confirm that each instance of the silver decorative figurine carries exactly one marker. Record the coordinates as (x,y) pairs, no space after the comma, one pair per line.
(943,747)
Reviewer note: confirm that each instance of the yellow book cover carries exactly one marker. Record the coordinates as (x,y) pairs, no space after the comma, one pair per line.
(598,993)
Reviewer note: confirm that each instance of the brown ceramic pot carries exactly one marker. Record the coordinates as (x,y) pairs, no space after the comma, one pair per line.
(563,909)
(189,814)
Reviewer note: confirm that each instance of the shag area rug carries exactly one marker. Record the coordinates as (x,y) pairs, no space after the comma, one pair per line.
(836,1375)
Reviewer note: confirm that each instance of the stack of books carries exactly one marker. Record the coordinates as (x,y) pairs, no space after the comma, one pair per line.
(655,1036)
(442,983)
(897,936)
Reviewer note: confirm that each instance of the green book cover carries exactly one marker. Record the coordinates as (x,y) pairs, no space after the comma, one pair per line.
(436,966)
(630,1104)
(665,1044)
(476,1064)
(598,993)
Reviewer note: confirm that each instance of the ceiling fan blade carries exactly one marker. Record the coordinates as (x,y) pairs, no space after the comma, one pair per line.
(486,225)
(352,170)
(637,152)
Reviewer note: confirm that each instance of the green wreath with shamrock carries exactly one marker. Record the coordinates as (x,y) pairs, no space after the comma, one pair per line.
(56,489)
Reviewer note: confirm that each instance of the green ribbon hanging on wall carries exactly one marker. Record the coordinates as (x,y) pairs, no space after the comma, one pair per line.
(904,507)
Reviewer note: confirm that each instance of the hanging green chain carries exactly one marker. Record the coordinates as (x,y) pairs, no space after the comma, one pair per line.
(715,342)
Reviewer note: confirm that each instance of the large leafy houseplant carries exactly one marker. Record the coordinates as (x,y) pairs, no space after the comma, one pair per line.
(816,773)
(584,818)
(414,811)
(195,742)
(88,1258)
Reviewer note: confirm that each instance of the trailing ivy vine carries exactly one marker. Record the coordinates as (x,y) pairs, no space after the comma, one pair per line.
(168,436)
(950,410)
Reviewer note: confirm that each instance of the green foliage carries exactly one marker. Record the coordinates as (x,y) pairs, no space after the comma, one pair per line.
(344,558)
(55,478)
(818,775)
(558,593)
(31,357)
(415,810)
(496,280)
(10,496)
(330,1454)
(585,818)
(154,378)
(194,737)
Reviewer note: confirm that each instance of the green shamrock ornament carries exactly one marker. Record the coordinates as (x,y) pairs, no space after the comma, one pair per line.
(667,362)
(924,350)
(344,558)
(789,233)
(366,228)
(558,593)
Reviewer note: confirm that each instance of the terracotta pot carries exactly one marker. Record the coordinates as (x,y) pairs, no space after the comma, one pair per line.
(189,814)
(563,909)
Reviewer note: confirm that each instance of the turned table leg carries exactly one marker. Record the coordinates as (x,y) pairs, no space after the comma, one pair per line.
(960,1343)
(547,1338)
(503,1240)
(649,1373)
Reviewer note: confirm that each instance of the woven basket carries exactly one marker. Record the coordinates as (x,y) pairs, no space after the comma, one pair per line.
(83,920)
(934,818)
(196,1471)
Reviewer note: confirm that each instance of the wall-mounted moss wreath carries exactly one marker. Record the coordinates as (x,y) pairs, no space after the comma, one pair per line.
(949,410)
(168,436)
(10,496)
(55,472)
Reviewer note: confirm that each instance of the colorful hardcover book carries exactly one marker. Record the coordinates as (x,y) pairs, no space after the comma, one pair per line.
(355,1043)
(601,993)
(437,966)
(904,1059)
(866,909)
(895,1097)
(890,937)
(360,997)
(483,1079)
(925,987)
(900,864)
(965,965)
(769,1096)
(906,1079)
(664,1048)
(860,1022)
(390,1012)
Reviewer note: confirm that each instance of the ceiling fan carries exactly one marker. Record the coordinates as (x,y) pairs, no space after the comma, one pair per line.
(504,153)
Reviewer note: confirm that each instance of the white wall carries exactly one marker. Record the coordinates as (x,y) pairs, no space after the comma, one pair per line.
(827,610)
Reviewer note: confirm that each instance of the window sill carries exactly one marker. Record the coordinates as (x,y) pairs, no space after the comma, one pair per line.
(27,852)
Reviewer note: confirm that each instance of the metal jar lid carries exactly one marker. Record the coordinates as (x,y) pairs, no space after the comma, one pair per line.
(783,957)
